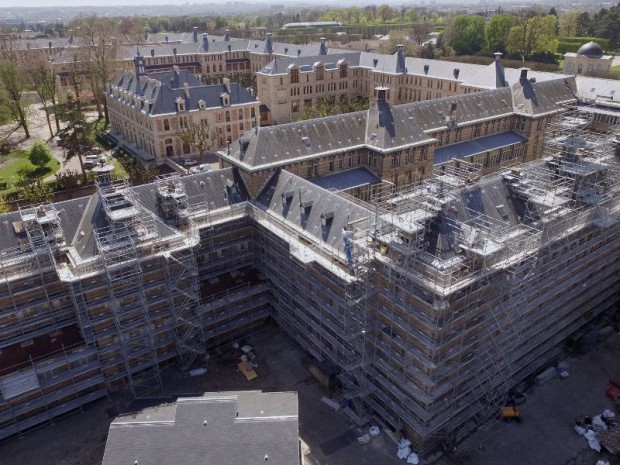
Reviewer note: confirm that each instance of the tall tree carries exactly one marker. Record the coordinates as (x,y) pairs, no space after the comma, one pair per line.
(498,30)
(100,45)
(199,136)
(532,34)
(43,80)
(74,138)
(569,24)
(466,34)
(585,27)
(12,81)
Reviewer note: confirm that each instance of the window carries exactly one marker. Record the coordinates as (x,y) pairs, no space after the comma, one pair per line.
(253,112)
(320,73)
(227,116)
(520,125)
(166,125)
(331,165)
(294,76)
(343,70)
(295,106)
(240,114)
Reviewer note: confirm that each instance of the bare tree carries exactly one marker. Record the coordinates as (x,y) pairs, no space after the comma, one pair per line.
(43,81)
(199,136)
(12,80)
(99,40)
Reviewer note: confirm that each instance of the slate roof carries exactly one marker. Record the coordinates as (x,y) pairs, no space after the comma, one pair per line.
(162,98)
(306,63)
(86,214)
(474,146)
(286,194)
(217,428)
(348,179)
(388,128)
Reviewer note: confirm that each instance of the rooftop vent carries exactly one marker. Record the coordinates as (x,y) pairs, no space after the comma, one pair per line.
(426,69)
(306,141)
(456,73)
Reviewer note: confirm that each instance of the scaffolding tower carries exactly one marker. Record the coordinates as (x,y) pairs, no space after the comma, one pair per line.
(118,244)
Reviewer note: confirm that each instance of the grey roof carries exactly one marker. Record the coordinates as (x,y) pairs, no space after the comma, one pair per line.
(348,179)
(86,214)
(590,50)
(326,217)
(542,97)
(218,428)
(388,128)
(474,146)
(162,99)
(306,63)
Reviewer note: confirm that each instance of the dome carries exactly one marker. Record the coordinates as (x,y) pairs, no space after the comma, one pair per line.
(590,50)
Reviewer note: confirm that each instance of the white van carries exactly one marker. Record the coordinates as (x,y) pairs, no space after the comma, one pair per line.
(91,160)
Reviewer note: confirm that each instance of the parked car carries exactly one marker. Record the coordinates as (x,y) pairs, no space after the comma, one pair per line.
(204,168)
(189,162)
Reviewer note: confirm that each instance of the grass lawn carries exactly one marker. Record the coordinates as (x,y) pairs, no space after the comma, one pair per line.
(15,161)
(615,69)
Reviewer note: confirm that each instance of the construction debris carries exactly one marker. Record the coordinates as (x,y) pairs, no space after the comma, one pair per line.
(364,439)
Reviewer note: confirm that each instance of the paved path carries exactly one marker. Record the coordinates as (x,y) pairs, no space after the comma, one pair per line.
(39,130)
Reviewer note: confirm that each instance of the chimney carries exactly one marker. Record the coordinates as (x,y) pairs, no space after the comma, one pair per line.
(177,78)
(166,39)
(49,45)
(285,50)
(500,76)
(269,44)
(227,35)
(298,52)
(523,76)
(205,42)
(426,69)
(152,52)
(174,51)
(456,73)
(195,34)
(229,48)
(323,48)
(186,89)
(375,62)
(226,83)
(400,59)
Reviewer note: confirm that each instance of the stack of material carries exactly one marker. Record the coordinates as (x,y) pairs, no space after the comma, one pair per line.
(610,440)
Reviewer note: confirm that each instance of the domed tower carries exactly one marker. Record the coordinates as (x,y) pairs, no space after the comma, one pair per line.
(588,61)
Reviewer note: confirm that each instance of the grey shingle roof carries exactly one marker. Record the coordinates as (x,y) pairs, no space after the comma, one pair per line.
(286,194)
(306,63)
(162,98)
(218,428)
(542,97)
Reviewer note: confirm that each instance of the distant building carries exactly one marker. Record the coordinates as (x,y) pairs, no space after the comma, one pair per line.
(148,111)
(311,24)
(217,428)
(588,61)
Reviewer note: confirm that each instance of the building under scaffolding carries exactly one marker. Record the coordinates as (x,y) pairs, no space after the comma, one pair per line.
(431,300)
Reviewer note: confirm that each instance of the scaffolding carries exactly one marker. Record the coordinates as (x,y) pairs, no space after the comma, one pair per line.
(118,244)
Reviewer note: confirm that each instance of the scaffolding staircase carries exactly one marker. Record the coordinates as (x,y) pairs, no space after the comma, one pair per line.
(184,295)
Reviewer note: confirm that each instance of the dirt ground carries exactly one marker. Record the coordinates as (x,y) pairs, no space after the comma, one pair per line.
(544,437)
(328,437)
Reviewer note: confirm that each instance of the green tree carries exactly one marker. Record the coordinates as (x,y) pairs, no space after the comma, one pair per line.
(398,37)
(12,81)
(585,27)
(532,34)
(498,30)
(385,13)
(466,34)
(33,190)
(39,154)
(569,24)
(4,206)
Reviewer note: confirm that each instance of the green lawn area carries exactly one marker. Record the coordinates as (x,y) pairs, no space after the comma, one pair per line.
(14,162)
(615,69)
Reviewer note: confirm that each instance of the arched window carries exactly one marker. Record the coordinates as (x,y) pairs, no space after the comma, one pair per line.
(166,126)
(227,115)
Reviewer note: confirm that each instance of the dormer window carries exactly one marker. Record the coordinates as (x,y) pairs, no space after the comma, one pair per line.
(225,98)
(202,104)
(180,104)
